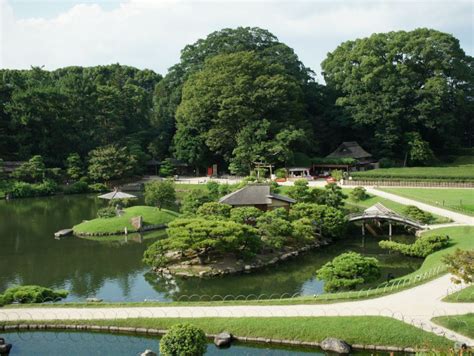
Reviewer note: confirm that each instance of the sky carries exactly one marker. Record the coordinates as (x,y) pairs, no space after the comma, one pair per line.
(151,33)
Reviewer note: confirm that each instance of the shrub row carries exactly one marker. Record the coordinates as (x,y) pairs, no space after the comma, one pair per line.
(49,187)
(421,248)
(31,294)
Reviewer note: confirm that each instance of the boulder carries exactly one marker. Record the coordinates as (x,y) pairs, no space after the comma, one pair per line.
(223,339)
(148,353)
(335,345)
(4,347)
(93,300)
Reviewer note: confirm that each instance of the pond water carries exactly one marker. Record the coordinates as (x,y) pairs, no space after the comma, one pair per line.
(48,343)
(113,271)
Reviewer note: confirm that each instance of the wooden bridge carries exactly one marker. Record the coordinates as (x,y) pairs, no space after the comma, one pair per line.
(379,212)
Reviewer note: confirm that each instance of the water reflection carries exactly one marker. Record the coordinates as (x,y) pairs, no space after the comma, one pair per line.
(112,269)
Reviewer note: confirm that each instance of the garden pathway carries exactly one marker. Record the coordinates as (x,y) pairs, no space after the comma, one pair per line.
(415,306)
(458,218)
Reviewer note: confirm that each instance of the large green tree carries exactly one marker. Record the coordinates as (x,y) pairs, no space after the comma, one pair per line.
(168,94)
(238,102)
(392,83)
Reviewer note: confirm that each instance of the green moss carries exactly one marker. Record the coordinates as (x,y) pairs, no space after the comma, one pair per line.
(151,216)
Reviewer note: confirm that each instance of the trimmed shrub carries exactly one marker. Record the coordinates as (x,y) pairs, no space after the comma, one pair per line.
(214,210)
(246,215)
(348,270)
(32,294)
(280,173)
(183,340)
(422,247)
(108,212)
(417,214)
(274,228)
(358,194)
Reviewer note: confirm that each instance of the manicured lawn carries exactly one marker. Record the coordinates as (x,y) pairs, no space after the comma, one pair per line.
(367,330)
(459,170)
(462,237)
(151,216)
(397,207)
(461,200)
(462,324)
(465,295)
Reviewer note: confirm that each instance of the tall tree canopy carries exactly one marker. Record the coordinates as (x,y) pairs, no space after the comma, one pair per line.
(395,83)
(237,108)
(74,110)
(264,44)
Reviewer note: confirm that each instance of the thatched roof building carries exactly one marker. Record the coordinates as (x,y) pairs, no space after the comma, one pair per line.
(350,149)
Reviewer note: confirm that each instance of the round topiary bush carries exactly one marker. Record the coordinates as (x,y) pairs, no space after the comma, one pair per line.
(183,340)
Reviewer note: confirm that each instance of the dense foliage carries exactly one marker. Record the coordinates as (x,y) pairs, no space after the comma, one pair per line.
(415,213)
(422,247)
(240,96)
(183,340)
(31,294)
(359,193)
(348,270)
(160,193)
(202,237)
(409,90)
(461,266)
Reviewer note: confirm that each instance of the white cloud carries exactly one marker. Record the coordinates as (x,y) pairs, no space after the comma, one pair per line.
(150,34)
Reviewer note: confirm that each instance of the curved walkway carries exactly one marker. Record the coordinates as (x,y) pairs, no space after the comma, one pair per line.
(415,306)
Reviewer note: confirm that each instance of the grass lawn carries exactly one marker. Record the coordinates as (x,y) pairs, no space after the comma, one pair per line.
(462,324)
(459,170)
(367,330)
(462,237)
(397,207)
(182,189)
(465,295)
(151,216)
(461,200)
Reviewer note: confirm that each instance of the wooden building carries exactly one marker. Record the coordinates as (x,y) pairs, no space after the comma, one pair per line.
(259,196)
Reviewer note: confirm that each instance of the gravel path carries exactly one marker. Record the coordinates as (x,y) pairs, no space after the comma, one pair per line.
(415,306)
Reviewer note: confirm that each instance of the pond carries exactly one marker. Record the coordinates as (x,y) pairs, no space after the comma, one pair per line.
(88,343)
(113,271)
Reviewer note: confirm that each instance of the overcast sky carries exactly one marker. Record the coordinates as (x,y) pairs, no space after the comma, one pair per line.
(151,33)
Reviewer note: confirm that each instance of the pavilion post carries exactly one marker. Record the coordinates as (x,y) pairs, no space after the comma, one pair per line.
(363,229)
(390,230)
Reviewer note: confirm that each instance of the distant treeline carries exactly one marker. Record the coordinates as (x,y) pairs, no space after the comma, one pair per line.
(240,96)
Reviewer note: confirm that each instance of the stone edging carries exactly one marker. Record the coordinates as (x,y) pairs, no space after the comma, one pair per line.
(160,332)
(122,232)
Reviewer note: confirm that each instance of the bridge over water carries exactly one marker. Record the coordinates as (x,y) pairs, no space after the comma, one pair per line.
(379,212)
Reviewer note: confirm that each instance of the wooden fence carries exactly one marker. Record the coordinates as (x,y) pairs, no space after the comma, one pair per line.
(408,183)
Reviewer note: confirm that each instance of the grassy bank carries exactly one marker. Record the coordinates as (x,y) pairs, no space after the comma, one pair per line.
(462,324)
(461,237)
(397,207)
(366,330)
(465,295)
(461,200)
(151,216)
